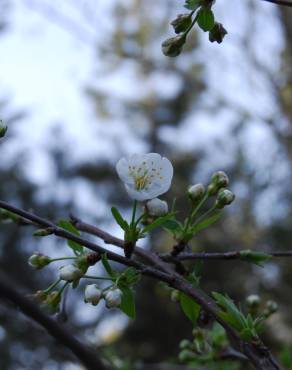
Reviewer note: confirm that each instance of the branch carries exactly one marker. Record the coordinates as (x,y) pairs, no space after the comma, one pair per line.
(233,255)
(258,354)
(62,335)
(280,2)
(110,239)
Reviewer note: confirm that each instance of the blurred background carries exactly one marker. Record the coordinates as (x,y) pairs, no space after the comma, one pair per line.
(83,84)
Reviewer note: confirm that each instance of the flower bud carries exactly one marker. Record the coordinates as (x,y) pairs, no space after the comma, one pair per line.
(186,355)
(38,260)
(185,344)
(174,296)
(52,303)
(196,192)
(156,207)
(172,47)
(113,298)
(272,307)
(92,294)
(220,179)
(253,301)
(181,23)
(3,129)
(217,33)
(70,273)
(225,197)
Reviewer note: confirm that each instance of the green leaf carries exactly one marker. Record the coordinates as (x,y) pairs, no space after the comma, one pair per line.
(190,308)
(158,222)
(67,225)
(192,4)
(131,275)
(231,313)
(107,266)
(118,217)
(206,20)
(172,225)
(258,258)
(128,302)
(205,223)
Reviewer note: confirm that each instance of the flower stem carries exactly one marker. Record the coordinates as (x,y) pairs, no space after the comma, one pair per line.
(63,258)
(134,213)
(96,277)
(52,286)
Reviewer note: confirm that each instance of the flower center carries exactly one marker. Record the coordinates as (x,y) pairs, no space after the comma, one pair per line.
(141,181)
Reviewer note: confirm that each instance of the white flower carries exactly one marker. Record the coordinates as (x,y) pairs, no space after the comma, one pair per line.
(145,175)
(156,207)
(113,298)
(70,273)
(92,294)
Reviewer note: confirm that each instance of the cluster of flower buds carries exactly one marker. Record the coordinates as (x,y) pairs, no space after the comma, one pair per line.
(199,346)
(219,182)
(156,207)
(38,260)
(93,294)
(253,303)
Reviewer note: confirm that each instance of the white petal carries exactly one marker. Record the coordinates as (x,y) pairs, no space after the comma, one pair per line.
(122,168)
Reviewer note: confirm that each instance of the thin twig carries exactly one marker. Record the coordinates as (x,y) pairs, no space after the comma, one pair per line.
(232,255)
(280,2)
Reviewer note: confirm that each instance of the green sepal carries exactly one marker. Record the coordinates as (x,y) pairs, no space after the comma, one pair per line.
(119,219)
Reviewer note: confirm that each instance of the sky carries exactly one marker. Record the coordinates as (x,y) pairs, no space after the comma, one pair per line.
(47,64)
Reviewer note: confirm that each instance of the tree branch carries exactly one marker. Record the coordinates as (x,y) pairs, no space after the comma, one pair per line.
(280,2)
(62,335)
(232,255)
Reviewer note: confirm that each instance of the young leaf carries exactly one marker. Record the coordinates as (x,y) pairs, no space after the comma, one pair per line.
(192,4)
(205,223)
(107,266)
(231,313)
(158,222)
(117,216)
(190,308)
(128,302)
(258,258)
(77,248)
(172,225)
(206,19)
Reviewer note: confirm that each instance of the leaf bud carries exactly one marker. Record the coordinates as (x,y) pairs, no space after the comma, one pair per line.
(43,232)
